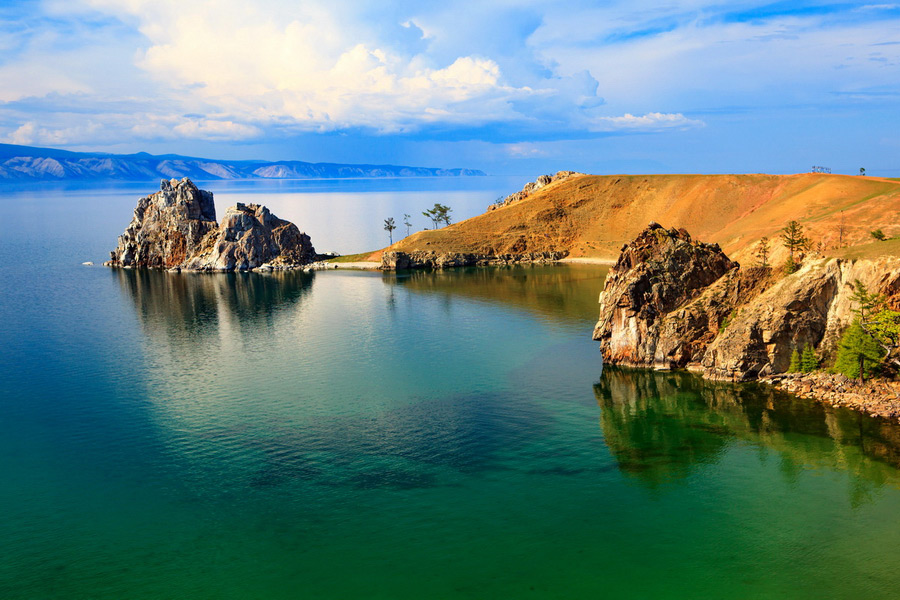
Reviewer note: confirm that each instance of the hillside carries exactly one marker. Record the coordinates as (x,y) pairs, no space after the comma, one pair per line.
(593,216)
(24,163)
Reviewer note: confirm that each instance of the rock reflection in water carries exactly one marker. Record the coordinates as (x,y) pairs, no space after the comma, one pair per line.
(661,426)
(193,302)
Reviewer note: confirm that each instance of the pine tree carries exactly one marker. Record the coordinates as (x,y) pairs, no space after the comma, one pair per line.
(794,240)
(794,367)
(858,353)
(809,362)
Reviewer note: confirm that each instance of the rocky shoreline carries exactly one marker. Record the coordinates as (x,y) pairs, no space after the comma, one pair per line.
(876,397)
(396,261)
(671,302)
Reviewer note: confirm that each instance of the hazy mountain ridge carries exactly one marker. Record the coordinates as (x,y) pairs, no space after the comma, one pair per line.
(24,163)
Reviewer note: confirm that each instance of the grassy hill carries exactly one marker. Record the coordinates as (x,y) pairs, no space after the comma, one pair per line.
(593,216)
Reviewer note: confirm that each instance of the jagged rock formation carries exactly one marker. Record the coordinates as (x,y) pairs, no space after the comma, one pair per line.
(176,228)
(657,273)
(167,227)
(533,186)
(671,303)
(395,261)
(251,237)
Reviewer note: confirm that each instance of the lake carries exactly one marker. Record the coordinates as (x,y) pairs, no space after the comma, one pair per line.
(349,434)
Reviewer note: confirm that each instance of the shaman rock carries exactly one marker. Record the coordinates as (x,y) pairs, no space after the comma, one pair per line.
(167,227)
(176,228)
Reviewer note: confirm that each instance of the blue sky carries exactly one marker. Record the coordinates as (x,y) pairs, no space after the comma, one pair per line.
(512,87)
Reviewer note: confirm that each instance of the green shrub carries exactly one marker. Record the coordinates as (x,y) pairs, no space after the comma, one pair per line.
(809,362)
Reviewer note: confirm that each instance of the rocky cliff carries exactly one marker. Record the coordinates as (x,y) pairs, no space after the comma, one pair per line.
(250,237)
(670,302)
(176,228)
(657,273)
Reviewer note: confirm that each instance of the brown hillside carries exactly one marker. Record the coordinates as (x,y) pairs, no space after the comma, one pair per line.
(593,216)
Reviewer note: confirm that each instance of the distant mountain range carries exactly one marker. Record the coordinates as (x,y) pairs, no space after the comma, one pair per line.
(24,163)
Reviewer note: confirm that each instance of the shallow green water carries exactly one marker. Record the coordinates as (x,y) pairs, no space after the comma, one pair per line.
(425,435)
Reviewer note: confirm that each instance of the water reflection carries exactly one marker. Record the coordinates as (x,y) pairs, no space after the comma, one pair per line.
(662,426)
(197,303)
(561,293)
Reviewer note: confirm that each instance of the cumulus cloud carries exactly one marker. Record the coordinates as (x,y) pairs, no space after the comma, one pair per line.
(531,70)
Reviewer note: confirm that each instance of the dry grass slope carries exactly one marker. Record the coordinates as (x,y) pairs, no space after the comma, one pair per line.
(593,216)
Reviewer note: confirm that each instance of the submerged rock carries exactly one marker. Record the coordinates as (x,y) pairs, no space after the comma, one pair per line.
(176,229)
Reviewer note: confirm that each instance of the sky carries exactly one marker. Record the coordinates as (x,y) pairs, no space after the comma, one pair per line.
(509,87)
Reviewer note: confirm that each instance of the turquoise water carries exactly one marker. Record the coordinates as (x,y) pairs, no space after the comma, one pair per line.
(424,435)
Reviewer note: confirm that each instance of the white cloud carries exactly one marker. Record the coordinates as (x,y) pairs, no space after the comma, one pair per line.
(529,69)
(651,122)
(210,130)
(31,133)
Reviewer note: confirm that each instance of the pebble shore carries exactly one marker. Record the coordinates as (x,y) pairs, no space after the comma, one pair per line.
(876,397)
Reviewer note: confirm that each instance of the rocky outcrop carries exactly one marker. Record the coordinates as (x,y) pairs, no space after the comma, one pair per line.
(251,237)
(670,302)
(167,227)
(176,228)
(810,307)
(659,272)
(533,186)
(397,261)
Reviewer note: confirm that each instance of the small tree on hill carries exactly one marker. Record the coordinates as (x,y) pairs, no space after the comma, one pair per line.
(407,223)
(862,171)
(794,240)
(762,253)
(390,226)
(878,235)
(439,213)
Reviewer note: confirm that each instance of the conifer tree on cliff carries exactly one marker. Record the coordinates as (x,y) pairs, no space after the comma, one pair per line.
(794,240)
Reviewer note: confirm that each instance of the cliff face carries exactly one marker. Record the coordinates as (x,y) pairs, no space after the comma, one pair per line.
(671,303)
(176,228)
(658,272)
(813,306)
(249,237)
(167,227)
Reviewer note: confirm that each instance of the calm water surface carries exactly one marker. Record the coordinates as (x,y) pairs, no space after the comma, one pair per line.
(359,435)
